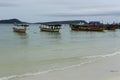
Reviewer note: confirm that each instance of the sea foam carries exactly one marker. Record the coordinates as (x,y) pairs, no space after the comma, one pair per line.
(104,56)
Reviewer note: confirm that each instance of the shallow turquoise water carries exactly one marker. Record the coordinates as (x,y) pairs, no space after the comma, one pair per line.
(38,51)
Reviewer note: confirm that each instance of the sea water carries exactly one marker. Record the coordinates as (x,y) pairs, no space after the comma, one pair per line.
(36,52)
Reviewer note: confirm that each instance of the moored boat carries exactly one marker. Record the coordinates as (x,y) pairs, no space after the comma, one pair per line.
(91,26)
(110,26)
(21,28)
(50,28)
(79,27)
(96,26)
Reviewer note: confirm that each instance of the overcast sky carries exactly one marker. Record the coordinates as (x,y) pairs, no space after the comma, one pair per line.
(57,10)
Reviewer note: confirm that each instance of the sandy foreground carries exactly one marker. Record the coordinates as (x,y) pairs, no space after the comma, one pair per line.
(102,69)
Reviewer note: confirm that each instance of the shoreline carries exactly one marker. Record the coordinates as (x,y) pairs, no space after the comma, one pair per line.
(102,69)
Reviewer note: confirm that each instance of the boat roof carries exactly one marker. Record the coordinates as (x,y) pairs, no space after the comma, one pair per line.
(24,25)
(82,22)
(52,24)
(94,22)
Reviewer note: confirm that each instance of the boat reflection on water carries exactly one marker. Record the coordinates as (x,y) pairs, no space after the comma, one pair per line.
(22,35)
(54,35)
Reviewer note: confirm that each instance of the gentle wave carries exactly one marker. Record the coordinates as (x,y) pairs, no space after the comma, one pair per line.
(104,56)
(42,72)
(58,69)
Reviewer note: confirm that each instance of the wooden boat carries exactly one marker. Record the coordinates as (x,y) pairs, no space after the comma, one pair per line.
(21,28)
(92,26)
(79,27)
(110,26)
(50,28)
(96,26)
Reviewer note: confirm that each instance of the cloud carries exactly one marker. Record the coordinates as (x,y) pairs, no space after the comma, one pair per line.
(8,5)
(117,13)
(78,11)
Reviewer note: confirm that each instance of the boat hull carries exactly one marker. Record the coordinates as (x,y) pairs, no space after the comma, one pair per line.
(49,30)
(86,28)
(19,30)
(110,27)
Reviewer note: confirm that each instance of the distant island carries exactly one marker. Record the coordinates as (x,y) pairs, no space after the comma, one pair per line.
(17,21)
(12,21)
(64,22)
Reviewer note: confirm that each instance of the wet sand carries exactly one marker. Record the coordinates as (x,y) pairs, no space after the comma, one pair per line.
(102,69)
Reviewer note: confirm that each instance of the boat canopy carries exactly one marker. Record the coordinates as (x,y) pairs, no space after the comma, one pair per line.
(22,25)
(94,23)
(54,25)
